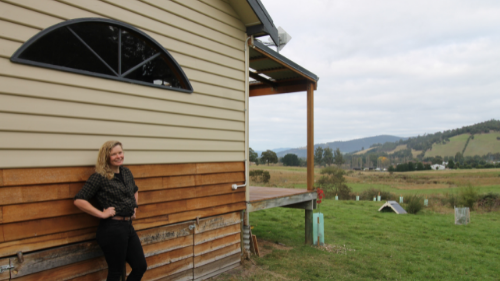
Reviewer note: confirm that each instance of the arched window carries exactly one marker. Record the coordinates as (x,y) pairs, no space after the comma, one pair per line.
(104,48)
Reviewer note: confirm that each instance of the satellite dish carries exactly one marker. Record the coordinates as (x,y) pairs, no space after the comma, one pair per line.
(284,38)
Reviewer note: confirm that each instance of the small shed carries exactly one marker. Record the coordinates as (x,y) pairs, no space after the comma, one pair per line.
(392,206)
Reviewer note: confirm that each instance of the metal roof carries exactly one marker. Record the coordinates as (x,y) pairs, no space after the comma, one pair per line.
(276,74)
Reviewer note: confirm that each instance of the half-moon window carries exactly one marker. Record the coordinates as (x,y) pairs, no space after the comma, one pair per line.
(104,48)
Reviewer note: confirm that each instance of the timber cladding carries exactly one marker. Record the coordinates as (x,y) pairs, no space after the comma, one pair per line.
(38,218)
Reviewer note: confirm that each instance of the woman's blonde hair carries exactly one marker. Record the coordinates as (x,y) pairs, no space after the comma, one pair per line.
(102,166)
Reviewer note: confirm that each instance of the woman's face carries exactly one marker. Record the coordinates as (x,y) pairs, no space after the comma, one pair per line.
(116,156)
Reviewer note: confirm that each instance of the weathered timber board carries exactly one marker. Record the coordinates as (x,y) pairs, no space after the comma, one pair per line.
(2,239)
(212,223)
(47,241)
(189,204)
(181,276)
(6,274)
(167,258)
(169,269)
(216,255)
(210,168)
(1,214)
(166,195)
(61,256)
(168,245)
(149,171)
(145,184)
(164,233)
(216,244)
(40,210)
(28,229)
(205,271)
(208,212)
(12,177)
(100,275)
(34,193)
(216,233)
(1,177)
(179,181)
(68,271)
(220,178)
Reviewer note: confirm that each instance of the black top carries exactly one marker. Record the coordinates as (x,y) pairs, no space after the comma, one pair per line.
(117,192)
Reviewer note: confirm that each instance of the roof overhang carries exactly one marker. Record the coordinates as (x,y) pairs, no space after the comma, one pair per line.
(255,17)
(275,74)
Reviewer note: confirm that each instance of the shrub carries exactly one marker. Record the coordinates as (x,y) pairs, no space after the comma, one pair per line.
(260,176)
(333,182)
(489,201)
(467,197)
(414,204)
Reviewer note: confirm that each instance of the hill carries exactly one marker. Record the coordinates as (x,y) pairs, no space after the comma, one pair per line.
(345,146)
(481,144)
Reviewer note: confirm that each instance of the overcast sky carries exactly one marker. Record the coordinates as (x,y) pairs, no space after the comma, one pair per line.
(400,68)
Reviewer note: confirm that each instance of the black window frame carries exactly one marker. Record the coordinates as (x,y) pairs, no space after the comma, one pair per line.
(15,58)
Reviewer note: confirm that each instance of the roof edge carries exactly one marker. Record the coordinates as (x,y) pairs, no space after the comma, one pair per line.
(285,60)
(267,26)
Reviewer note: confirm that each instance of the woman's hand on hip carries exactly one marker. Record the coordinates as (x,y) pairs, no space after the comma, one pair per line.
(109,212)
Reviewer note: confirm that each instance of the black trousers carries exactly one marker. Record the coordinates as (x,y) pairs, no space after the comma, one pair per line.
(120,244)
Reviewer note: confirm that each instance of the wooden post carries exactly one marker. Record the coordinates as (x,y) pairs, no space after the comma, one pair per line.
(310,160)
(310,136)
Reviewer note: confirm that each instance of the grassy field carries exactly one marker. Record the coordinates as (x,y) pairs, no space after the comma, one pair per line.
(363,244)
(451,148)
(418,182)
(482,144)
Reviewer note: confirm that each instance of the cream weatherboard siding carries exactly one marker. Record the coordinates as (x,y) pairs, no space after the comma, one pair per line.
(54,118)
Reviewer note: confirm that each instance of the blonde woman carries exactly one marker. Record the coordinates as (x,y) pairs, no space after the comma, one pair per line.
(114,188)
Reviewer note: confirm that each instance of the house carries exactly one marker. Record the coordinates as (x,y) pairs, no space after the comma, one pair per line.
(171,81)
(438,167)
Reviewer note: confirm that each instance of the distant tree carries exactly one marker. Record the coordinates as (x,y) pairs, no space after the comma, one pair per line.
(253,156)
(391,169)
(318,156)
(459,158)
(451,164)
(268,156)
(437,160)
(411,166)
(420,166)
(291,160)
(362,148)
(328,156)
(338,158)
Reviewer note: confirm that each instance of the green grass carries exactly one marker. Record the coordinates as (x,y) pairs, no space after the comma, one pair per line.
(383,246)
(451,148)
(482,144)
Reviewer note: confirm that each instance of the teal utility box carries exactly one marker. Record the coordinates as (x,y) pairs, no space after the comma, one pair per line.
(318,229)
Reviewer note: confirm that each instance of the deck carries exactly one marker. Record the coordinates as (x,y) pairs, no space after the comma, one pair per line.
(270,197)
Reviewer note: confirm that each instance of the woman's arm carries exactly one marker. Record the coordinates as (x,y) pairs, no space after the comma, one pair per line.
(85,206)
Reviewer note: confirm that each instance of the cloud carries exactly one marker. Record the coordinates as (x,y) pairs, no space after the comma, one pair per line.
(386,67)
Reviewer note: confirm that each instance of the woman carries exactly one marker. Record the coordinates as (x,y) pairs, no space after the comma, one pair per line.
(114,188)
